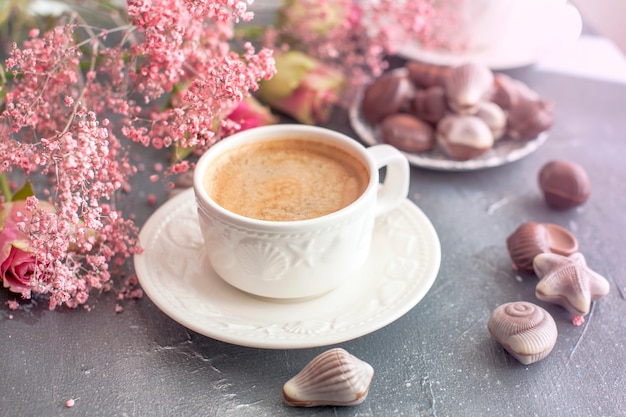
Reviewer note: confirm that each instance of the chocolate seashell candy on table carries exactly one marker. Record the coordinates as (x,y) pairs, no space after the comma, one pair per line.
(334,378)
(568,282)
(532,238)
(564,184)
(525,330)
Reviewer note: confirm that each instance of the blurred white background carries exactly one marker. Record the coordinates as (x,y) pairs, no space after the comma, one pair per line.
(606,17)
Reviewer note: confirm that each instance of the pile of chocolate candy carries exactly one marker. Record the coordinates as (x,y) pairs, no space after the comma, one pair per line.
(552,253)
(462,110)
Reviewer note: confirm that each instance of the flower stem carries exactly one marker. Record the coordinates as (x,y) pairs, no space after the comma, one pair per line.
(4,187)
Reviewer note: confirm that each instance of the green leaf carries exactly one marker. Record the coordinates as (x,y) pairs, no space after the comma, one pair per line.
(24,192)
(250,32)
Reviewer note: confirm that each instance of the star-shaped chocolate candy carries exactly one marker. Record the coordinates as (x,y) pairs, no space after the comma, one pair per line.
(568,281)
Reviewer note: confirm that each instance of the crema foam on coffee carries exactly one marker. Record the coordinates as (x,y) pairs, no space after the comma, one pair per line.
(285,179)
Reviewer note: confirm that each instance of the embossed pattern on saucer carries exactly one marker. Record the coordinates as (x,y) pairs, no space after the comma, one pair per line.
(173,272)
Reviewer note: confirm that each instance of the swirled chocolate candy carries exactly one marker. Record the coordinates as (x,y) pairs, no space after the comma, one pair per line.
(531,238)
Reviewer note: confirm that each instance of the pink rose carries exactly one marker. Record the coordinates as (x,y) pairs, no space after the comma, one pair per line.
(17,261)
(302,88)
(17,268)
(250,113)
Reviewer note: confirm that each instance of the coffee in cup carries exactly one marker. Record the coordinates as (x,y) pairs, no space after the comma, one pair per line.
(285,179)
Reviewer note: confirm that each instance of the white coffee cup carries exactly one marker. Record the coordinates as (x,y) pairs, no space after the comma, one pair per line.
(297,258)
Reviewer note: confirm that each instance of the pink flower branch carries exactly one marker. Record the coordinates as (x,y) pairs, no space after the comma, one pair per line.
(59,90)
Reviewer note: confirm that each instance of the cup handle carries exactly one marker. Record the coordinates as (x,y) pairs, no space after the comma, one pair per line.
(395,188)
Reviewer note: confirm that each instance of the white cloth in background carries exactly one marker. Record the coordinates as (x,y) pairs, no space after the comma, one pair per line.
(589,57)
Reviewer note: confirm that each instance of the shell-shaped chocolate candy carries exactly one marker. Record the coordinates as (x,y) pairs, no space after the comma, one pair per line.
(427,75)
(525,330)
(430,104)
(467,85)
(528,118)
(463,137)
(564,184)
(531,238)
(507,91)
(493,116)
(334,377)
(387,94)
(568,282)
(407,133)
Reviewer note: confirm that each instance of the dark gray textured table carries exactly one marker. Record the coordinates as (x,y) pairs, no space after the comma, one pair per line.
(437,360)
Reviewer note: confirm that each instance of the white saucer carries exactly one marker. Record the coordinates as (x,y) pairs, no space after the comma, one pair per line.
(173,272)
(530,37)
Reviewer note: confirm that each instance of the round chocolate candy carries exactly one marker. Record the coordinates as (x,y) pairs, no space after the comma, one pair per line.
(407,133)
(463,137)
(528,118)
(430,104)
(388,94)
(564,184)
(493,116)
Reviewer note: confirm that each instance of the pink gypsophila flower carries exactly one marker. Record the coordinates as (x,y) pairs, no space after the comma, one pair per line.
(186,47)
(73,94)
(354,37)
